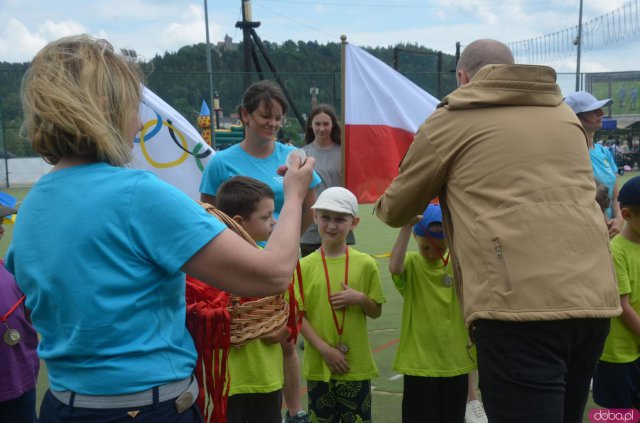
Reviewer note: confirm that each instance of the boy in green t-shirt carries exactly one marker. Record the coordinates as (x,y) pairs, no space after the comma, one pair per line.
(256,369)
(341,287)
(616,383)
(432,353)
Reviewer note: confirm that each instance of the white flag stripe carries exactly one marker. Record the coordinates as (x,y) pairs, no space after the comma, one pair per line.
(376,94)
(178,159)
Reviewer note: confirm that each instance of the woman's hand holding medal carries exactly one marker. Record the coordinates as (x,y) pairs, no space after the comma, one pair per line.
(297,175)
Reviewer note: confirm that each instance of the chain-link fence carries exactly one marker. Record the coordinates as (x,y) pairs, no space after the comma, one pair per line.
(186,91)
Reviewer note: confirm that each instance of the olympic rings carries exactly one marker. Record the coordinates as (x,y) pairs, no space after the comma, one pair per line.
(145,153)
(153,132)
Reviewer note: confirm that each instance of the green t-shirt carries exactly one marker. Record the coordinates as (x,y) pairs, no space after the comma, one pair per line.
(363,277)
(255,368)
(433,337)
(622,345)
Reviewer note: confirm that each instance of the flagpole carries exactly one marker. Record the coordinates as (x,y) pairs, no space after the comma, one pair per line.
(209,71)
(343,104)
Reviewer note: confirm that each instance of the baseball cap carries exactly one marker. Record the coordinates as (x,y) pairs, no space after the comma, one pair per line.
(583,101)
(629,194)
(433,214)
(7,211)
(337,199)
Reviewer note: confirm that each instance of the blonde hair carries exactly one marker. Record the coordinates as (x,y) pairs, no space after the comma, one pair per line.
(79,97)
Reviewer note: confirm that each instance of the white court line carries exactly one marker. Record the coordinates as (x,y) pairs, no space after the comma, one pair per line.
(396,377)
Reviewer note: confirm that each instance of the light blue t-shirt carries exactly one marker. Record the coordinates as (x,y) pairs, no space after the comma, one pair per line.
(234,161)
(604,169)
(97,251)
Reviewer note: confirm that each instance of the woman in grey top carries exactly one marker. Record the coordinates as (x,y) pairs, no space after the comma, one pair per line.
(322,136)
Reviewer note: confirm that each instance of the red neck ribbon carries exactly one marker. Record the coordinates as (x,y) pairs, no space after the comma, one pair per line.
(4,318)
(339,327)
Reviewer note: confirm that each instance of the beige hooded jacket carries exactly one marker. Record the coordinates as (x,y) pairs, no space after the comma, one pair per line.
(510,163)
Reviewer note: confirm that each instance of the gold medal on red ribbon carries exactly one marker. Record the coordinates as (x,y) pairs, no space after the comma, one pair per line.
(340,346)
(11,337)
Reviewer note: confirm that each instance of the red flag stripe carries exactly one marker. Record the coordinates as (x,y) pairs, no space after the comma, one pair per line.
(373,155)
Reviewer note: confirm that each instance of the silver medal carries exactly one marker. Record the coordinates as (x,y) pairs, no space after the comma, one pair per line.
(297,152)
(11,337)
(447,280)
(343,348)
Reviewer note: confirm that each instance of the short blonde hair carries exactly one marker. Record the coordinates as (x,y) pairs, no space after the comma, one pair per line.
(79,97)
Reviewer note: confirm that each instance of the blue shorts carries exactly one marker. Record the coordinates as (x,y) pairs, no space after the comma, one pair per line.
(617,385)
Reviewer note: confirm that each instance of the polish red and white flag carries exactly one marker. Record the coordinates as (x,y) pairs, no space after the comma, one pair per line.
(383,110)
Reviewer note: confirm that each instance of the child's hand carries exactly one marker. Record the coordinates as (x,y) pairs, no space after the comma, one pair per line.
(413,221)
(277,336)
(347,297)
(335,359)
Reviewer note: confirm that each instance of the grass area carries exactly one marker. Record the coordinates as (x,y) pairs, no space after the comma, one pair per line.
(375,238)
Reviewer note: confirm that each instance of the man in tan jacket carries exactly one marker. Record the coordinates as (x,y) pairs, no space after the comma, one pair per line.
(510,163)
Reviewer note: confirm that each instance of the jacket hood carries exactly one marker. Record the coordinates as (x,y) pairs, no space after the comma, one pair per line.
(507,85)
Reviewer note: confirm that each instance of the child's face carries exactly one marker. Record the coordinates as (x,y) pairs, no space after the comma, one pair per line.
(333,227)
(632,220)
(322,126)
(259,224)
(434,248)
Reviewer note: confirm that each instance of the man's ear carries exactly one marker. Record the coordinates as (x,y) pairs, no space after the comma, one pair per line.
(463,78)
(238,219)
(625,213)
(354,224)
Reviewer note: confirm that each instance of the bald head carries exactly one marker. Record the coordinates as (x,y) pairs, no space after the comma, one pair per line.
(480,53)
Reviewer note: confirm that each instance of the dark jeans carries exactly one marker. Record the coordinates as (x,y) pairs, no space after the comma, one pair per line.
(21,409)
(255,408)
(434,399)
(54,411)
(537,371)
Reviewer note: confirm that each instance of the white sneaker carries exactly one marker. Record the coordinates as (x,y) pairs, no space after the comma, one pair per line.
(475,413)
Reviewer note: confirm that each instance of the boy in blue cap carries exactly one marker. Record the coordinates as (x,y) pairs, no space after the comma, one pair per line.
(616,383)
(432,353)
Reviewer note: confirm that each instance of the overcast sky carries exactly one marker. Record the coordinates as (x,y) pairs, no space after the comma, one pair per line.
(154,26)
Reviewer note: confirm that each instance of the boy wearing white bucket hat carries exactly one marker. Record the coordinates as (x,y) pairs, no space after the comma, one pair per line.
(340,288)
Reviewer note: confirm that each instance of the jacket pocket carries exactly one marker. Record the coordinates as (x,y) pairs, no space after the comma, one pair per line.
(502,263)
(542,255)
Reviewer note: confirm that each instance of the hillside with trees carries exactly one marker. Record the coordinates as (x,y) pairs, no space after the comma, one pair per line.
(181,79)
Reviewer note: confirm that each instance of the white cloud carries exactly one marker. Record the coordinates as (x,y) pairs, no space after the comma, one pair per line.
(190,29)
(54,30)
(17,43)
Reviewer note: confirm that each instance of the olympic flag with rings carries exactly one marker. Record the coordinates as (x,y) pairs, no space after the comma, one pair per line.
(169,146)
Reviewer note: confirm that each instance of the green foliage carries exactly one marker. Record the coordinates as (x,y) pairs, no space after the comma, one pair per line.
(181,79)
